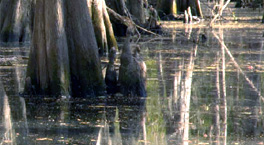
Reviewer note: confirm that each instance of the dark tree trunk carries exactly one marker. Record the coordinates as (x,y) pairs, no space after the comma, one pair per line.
(195,7)
(117,5)
(167,7)
(85,64)
(172,7)
(48,66)
(64,54)
(15,20)
(136,8)
(262,18)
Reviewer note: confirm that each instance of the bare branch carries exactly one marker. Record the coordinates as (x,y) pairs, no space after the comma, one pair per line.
(127,21)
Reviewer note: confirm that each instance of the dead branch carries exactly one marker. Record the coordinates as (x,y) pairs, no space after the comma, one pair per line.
(127,21)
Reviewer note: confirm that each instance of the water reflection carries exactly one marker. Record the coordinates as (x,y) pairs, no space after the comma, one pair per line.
(218,88)
(221,112)
(181,98)
(7,132)
(54,121)
(198,93)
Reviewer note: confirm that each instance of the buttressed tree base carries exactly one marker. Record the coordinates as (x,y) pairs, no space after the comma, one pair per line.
(64,56)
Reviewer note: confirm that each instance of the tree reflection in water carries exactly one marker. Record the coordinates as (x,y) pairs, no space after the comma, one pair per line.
(225,68)
(7,133)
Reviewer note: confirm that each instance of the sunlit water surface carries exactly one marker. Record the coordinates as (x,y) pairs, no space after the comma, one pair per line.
(200,91)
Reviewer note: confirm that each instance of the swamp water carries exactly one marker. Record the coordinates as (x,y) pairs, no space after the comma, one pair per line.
(204,87)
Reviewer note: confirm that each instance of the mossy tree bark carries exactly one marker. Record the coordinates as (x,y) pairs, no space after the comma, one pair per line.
(64,56)
(15,20)
(102,25)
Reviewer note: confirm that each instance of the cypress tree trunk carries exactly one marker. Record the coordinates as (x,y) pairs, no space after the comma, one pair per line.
(173,7)
(99,27)
(167,7)
(48,67)
(64,54)
(15,20)
(111,41)
(119,7)
(136,8)
(195,8)
(102,25)
(86,74)
(262,18)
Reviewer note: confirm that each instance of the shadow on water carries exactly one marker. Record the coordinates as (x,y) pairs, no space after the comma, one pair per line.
(204,87)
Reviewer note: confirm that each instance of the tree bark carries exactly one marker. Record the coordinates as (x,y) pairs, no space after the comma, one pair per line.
(64,56)
(102,25)
(167,7)
(85,64)
(262,18)
(173,7)
(15,20)
(111,40)
(136,8)
(48,66)
(99,27)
